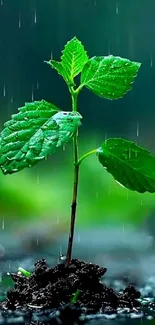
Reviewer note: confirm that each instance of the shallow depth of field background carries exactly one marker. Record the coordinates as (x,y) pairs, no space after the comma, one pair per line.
(35,203)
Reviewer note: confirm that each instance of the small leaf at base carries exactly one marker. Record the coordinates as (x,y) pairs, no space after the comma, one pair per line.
(25,273)
(109,77)
(129,164)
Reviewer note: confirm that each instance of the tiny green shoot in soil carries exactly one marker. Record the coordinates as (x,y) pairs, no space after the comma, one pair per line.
(75,297)
(24,272)
(40,128)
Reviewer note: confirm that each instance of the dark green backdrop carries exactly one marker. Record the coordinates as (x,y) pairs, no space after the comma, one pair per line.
(124,27)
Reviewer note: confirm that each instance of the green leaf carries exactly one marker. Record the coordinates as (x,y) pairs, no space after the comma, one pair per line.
(73,59)
(57,66)
(129,164)
(110,76)
(33,134)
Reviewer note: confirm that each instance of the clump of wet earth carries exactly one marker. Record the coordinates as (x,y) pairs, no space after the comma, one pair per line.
(53,287)
(67,294)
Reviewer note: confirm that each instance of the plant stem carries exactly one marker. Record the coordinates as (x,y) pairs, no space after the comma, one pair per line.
(85,156)
(74,95)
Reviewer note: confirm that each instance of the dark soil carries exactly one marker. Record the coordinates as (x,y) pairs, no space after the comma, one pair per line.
(52,288)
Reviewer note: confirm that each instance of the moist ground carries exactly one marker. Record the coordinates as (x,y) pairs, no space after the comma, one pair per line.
(51,288)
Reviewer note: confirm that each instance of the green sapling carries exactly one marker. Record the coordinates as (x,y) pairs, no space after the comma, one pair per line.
(40,128)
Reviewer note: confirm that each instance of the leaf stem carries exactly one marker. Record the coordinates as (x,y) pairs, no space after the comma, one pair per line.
(74,101)
(85,156)
(74,95)
(78,89)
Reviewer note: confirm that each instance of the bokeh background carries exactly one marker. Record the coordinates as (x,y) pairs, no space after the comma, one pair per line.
(35,203)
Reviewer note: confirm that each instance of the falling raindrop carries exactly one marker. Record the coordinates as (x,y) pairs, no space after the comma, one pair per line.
(37,84)
(62,259)
(1,3)
(19,22)
(60,252)
(141,202)
(35,16)
(129,153)
(9,265)
(151,60)
(51,55)
(137,129)
(37,241)
(38,178)
(117,8)
(63,147)
(78,238)
(1,278)
(11,99)
(58,221)
(109,49)
(3,224)
(136,153)
(131,43)
(32,94)
(105,137)
(123,228)
(95,3)
(4,91)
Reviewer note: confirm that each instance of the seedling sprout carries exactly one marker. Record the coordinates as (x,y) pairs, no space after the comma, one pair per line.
(40,128)
(24,272)
(75,297)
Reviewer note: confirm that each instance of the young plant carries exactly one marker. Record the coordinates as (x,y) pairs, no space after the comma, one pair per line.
(40,128)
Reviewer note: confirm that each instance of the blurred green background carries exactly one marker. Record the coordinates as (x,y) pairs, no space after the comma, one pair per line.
(44,194)
(35,30)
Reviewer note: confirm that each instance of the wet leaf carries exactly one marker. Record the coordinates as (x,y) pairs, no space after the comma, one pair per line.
(129,164)
(109,76)
(73,59)
(33,134)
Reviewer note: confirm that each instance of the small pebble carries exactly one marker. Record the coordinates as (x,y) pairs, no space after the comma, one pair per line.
(134,315)
(113,316)
(149,317)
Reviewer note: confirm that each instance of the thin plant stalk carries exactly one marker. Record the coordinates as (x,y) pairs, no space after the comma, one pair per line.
(74,95)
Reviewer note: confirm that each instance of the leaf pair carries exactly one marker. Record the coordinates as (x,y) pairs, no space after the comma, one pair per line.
(73,59)
(106,76)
